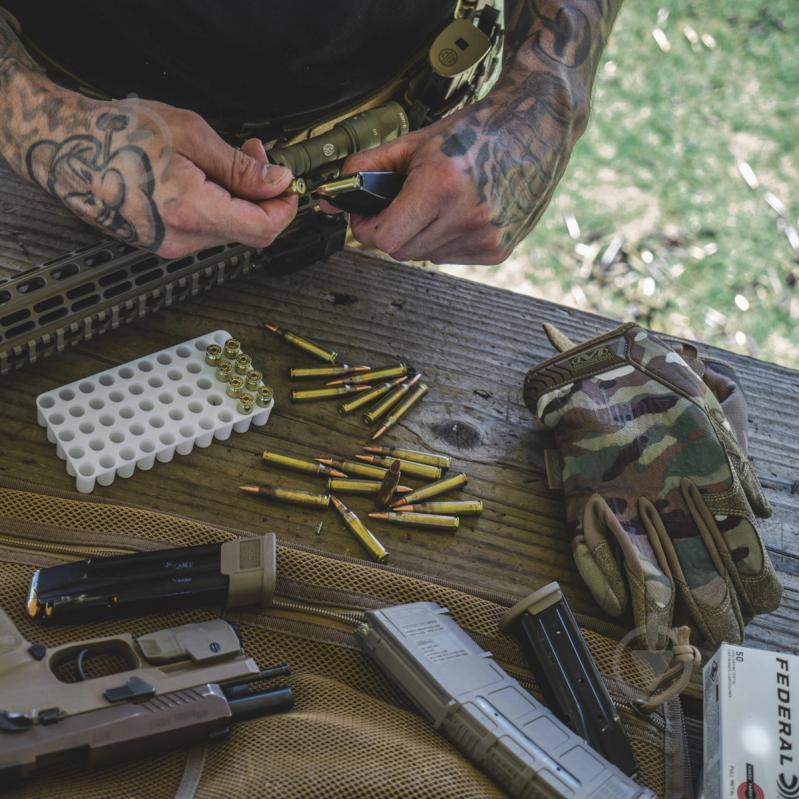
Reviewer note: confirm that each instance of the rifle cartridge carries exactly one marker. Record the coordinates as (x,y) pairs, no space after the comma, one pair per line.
(302,343)
(252,380)
(223,371)
(455,507)
(385,405)
(400,370)
(402,409)
(389,485)
(243,363)
(264,396)
(368,396)
(297,188)
(300,464)
(355,467)
(422,470)
(351,486)
(433,489)
(442,461)
(232,348)
(419,520)
(361,531)
(213,352)
(245,403)
(294,496)
(310,394)
(313,372)
(235,385)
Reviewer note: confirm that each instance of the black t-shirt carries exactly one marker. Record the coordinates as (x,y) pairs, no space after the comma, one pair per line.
(237,60)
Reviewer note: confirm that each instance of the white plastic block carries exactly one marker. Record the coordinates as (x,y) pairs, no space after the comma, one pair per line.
(128,417)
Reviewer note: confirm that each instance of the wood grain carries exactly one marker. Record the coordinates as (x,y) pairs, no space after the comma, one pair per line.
(473,343)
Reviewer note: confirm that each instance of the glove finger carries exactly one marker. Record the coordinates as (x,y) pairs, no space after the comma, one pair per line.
(609,539)
(701,577)
(739,546)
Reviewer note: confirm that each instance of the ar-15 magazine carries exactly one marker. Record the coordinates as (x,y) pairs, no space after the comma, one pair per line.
(487,714)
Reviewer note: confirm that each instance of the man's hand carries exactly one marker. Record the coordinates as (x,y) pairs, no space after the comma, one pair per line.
(152,175)
(478,181)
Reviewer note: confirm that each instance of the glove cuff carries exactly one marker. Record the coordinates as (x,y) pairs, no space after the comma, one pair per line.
(589,358)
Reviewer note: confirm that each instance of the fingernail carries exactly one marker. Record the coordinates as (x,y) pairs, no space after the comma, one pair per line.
(271,173)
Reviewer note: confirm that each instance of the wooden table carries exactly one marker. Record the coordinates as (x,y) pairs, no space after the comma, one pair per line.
(474,344)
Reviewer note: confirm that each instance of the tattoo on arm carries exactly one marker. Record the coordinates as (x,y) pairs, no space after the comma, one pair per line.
(520,137)
(110,186)
(12,54)
(89,159)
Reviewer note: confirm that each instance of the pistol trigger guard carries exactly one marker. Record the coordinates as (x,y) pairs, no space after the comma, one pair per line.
(79,661)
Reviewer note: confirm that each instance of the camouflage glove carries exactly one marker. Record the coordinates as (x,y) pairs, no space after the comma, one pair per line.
(660,499)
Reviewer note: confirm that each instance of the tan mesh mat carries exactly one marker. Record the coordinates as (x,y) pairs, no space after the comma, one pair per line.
(351,734)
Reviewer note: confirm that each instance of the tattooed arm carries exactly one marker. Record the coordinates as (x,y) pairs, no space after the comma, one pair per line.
(478,181)
(154,176)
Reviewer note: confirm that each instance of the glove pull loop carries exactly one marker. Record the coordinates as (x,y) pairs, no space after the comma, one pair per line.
(684,659)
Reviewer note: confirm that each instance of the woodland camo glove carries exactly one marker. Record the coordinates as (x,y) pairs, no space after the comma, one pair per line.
(660,499)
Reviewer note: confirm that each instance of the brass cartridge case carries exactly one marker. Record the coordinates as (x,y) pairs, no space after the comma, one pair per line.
(318,372)
(442,461)
(303,343)
(350,486)
(213,352)
(224,370)
(245,403)
(311,394)
(368,396)
(264,396)
(402,409)
(294,496)
(232,348)
(300,464)
(400,370)
(411,468)
(235,386)
(386,404)
(433,489)
(355,467)
(455,507)
(361,531)
(419,520)
(252,380)
(243,363)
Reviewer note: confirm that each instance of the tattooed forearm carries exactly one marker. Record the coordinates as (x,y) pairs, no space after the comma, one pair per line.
(13,55)
(517,142)
(85,156)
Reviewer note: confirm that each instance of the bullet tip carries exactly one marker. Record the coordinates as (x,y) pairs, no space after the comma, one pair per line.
(250,489)
(403,490)
(374,450)
(379,433)
(337,503)
(337,473)
(361,368)
(324,461)
(402,508)
(364,458)
(340,382)
(378,516)
(271,327)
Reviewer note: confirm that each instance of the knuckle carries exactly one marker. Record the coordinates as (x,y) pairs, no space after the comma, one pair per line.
(243,167)
(180,216)
(479,218)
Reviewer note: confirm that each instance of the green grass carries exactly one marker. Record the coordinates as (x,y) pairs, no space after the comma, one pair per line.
(658,164)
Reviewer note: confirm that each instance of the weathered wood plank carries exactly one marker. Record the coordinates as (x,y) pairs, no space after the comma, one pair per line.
(474,344)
